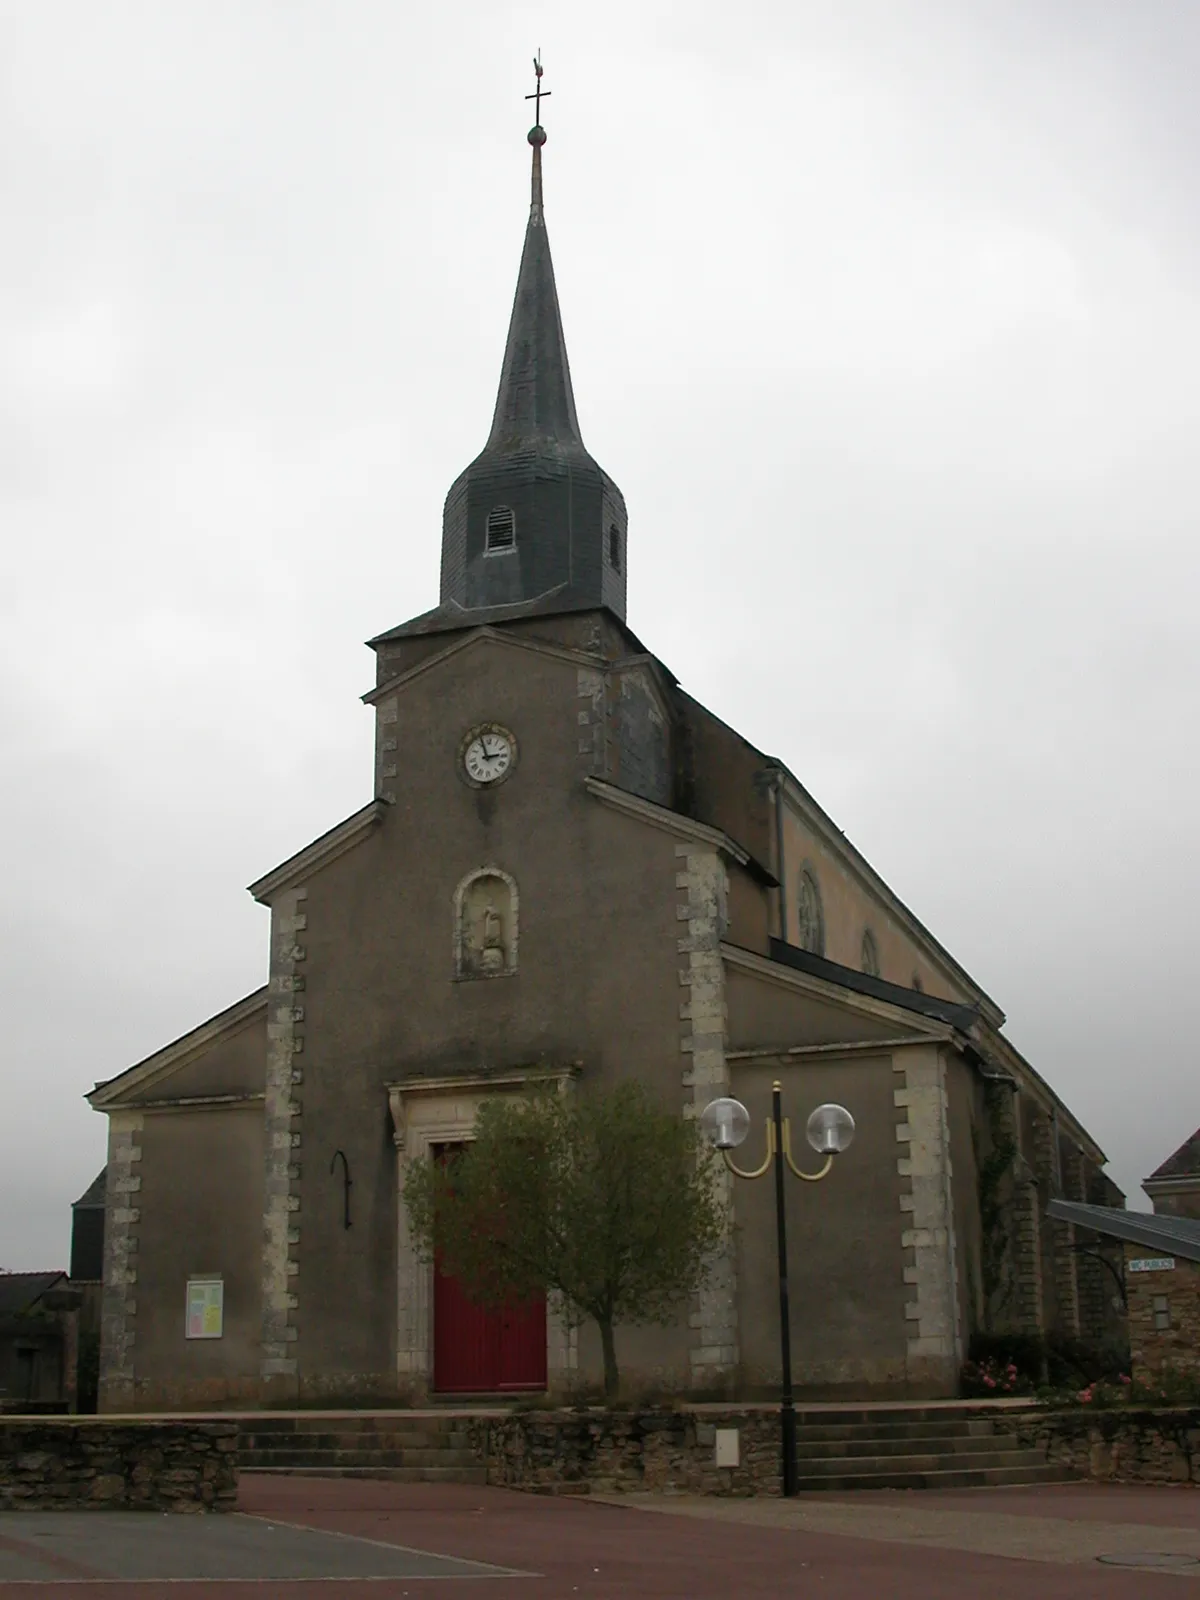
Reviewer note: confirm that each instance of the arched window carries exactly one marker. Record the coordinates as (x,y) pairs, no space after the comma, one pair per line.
(810,919)
(614,547)
(501,531)
(870,954)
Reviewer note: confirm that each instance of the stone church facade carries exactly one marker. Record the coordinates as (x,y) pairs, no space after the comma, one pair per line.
(570,871)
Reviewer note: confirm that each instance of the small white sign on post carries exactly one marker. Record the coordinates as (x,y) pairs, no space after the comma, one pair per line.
(205,1308)
(727,1447)
(1153,1264)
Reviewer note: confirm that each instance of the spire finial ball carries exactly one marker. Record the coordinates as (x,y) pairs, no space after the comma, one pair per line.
(537,135)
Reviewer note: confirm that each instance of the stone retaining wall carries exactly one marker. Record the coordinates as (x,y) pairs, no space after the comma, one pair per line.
(625,1452)
(1118,1446)
(674,1451)
(75,1463)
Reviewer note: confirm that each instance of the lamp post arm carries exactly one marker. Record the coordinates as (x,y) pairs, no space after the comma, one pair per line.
(808,1177)
(759,1172)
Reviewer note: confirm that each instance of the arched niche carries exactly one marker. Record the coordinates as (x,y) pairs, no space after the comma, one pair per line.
(486,924)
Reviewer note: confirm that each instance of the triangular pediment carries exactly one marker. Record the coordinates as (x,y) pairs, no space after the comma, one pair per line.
(222,1060)
(474,640)
(772,1006)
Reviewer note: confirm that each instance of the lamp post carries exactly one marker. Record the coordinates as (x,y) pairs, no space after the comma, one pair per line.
(830,1129)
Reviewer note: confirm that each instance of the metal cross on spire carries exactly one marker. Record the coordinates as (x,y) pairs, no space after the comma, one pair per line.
(539,93)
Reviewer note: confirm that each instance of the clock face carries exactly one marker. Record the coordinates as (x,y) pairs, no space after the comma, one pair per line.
(488,754)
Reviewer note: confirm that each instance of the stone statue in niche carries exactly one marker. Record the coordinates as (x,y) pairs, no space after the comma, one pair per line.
(491,955)
(487,926)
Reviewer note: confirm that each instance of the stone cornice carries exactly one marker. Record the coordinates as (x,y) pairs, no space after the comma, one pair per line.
(1185,1183)
(923,1028)
(855,1047)
(321,851)
(661,817)
(468,641)
(203,1102)
(115,1092)
(505,1080)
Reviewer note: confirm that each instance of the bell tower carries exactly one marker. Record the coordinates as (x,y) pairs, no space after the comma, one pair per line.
(534,518)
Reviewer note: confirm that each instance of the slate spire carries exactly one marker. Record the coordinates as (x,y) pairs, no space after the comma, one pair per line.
(535,395)
(534,520)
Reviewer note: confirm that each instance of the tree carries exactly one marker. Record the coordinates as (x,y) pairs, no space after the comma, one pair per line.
(607,1203)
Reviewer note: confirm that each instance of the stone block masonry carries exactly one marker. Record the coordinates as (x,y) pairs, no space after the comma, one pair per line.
(282,1118)
(934,1345)
(667,1451)
(118,1306)
(1124,1445)
(629,1452)
(1164,1315)
(86,1463)
(701,886)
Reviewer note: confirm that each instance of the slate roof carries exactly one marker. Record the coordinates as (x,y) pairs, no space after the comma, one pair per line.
(92,1198)
(1185,1163)
(926,1005)
(535,399)
(19,1291)
(1167,1236)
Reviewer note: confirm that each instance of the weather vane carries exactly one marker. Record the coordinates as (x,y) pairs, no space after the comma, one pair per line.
(539,92)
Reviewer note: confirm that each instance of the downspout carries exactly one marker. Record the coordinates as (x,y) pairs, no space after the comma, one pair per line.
(780,868)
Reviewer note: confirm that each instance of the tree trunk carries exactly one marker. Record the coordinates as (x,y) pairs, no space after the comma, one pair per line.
(612,1378)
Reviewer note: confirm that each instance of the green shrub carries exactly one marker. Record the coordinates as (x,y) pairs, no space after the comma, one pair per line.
(1077,1363)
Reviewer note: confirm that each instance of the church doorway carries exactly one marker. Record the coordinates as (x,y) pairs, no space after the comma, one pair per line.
(485,1349)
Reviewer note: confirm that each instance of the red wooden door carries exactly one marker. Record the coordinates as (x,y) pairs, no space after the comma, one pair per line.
(485,1349)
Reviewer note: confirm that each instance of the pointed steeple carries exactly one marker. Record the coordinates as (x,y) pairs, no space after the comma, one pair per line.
(535,395)
(534,521)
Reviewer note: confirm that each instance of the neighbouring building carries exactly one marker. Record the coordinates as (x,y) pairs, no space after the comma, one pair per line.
(1161,1259)
(87,1232)
(38,1341)
(569,870)
(1174,1188)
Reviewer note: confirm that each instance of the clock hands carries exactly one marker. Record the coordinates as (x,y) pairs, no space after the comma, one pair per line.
(489,755)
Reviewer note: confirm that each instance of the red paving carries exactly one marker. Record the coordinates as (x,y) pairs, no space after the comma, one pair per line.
(582,1549)
(1161,1507)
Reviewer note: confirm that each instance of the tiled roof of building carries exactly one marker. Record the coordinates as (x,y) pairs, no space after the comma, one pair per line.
(92,1197)
(1185,1163)
(927,1005)
(19,1291)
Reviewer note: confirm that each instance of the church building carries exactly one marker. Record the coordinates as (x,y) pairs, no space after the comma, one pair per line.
(568,871)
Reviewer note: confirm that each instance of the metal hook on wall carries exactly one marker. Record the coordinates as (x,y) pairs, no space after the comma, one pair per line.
(347,1184)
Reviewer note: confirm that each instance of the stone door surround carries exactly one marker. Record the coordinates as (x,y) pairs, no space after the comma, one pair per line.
(431,1111)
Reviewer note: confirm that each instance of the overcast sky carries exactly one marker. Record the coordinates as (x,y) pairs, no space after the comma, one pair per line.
(884,316)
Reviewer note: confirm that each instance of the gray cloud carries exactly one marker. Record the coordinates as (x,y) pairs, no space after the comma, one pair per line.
(885,318)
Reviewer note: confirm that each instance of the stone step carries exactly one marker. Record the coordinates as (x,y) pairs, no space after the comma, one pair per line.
(406,1439)
(359,1458)
(474,1475)
(838,1416)
(890,1428)
(1006,1477)
(955,1448)
(860,1462)
(396,1423)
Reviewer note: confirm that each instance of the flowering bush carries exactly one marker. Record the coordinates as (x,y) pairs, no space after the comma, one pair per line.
(992,1377)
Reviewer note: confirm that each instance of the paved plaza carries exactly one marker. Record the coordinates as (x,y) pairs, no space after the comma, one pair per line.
(296,1537)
